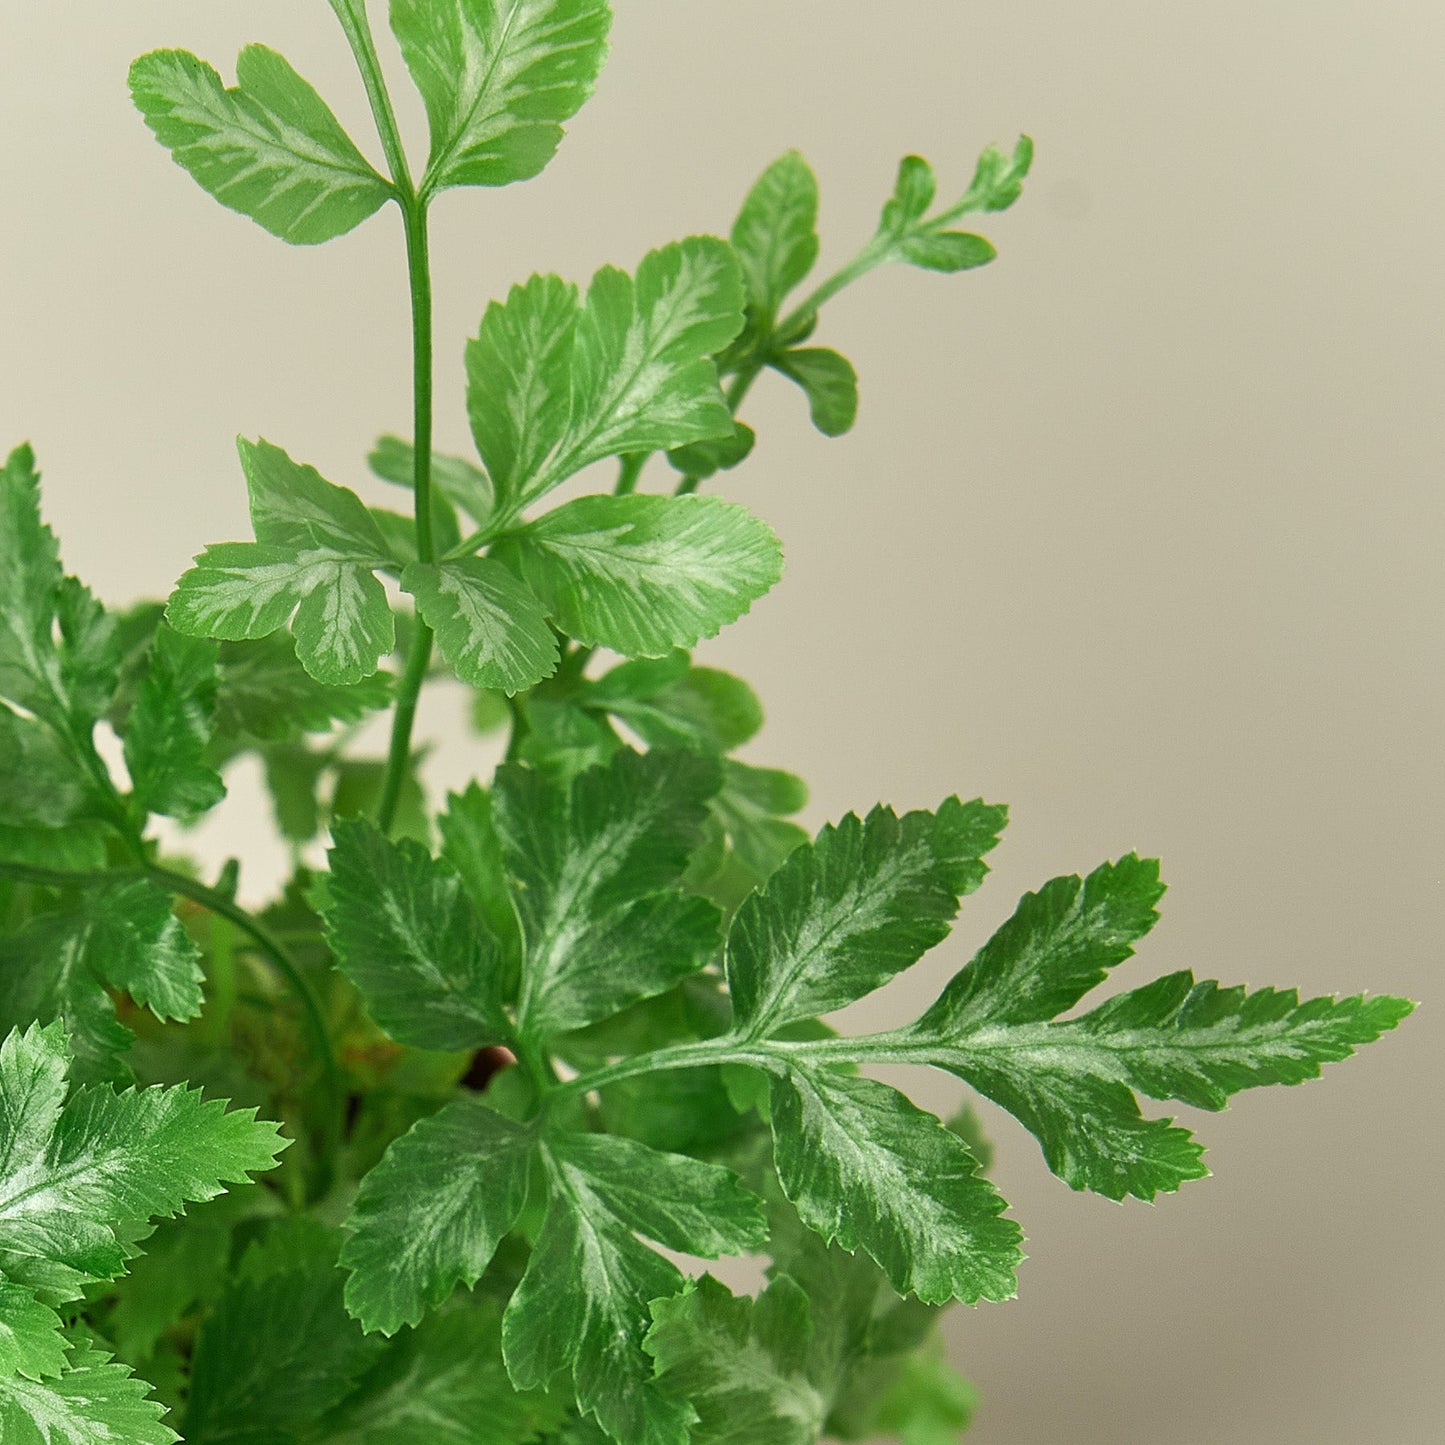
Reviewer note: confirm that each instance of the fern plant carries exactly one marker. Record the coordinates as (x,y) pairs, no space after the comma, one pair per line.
(523,1053)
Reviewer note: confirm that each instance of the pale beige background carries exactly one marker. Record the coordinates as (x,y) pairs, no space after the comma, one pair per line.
(1140,531)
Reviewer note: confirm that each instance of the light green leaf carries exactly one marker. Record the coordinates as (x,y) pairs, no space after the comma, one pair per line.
(79,848)
(700,708)
(643,574)
(946,251)
(700,460)
(752,809)
(293,505)
(30,1340)
(913,194)
(168,731)
(553,387)
(830,383)
(489,626)
(71,1170)
(405,933)
(264,693)
(998,180)
(94,1402)
(451,1188)
(643,374)
(845,915)
(582,1305)
(442,1383)
(278,1350)
(246,590)
(590,864)
(930,1404)
(519,383)
(498,79)
(865,1167)
(742,1364)
(461,482)
(270,148)
(471,845)
(775,235)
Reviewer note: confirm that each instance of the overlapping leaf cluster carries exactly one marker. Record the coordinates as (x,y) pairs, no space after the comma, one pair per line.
(538,1050)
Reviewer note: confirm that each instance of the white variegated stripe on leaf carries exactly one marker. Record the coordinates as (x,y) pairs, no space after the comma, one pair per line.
(431,1214)
(498,77)
(270,148)
(246,590)
(775,235)
(489,625)
(293,505)
(519,379)
(843,915)
(744,1365)
(643,377)
(74,1169)
(594,867)
(644,574)
(553,386)
(30,1340)
(582,1304)
(404,931)
(95,1400)
(864,1166)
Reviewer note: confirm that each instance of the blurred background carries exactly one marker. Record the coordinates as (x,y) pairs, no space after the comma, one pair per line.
(1139,531)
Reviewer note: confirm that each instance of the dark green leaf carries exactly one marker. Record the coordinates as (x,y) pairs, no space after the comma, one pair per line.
(278,1350)
(863,1166)
(582,1306)
(471,845)
(270,148)
(168,730)
(42,784)
(700,460)
(265,693)
(451,1188)
(405,933)
(703,708)
(590,864)
(742,1364)
(864,902)
(442,1383)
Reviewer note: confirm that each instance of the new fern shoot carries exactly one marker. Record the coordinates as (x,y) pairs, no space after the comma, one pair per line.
(523,1052)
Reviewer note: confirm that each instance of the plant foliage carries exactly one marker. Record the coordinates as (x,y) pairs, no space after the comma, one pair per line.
(535,1051)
